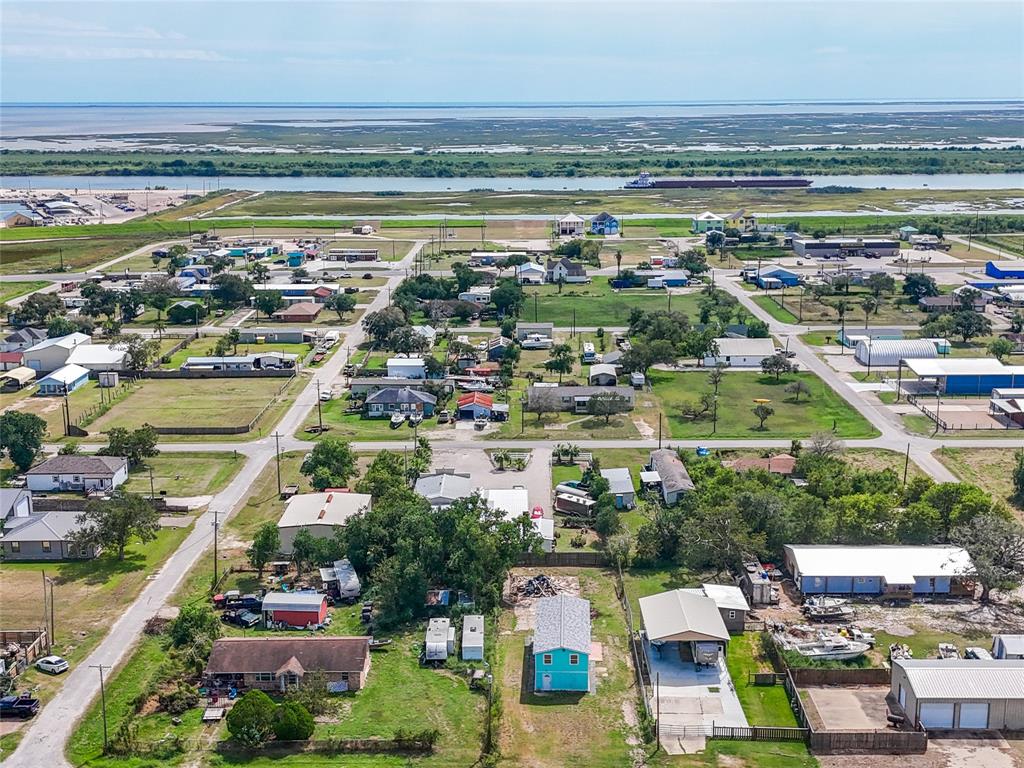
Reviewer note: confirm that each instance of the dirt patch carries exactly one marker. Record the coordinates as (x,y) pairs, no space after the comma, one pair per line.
(646,430)
(523,606)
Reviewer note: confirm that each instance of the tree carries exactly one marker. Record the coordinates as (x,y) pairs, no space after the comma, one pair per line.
(542,400)
(762,411)
(715,376)
(870,305)
(508,297)
(260,272)
(618,263)
(292,722)
(778,365)
(330,464)
(714,240)
(561,360)
(139,352)
(194,622)
(268,302)
(38,309)
(996,547)
(251,719)
(619,549)
(968,324)
(21,436)
(405,340)
(115,522)
(70,448)
(824,444)
(606,520)
(607,404)
(186,313)
(879,283)
(1000,348)
(381,324)
(1017,475)
(304,550)
(234,338)
(798,388)
(265,546)
(135,444)
(956,504)
(62,326)
(342,303)
(300,273)
(918,287)
(231,290)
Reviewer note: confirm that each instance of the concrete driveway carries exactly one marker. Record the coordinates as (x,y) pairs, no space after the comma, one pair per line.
(536,478)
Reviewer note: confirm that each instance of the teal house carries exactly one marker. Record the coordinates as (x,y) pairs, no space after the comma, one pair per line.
(561,644)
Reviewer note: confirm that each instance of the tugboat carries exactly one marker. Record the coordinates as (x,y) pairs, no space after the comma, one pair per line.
(643,181)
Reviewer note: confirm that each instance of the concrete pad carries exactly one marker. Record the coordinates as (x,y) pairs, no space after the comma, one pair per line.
(169,521)
(850,708)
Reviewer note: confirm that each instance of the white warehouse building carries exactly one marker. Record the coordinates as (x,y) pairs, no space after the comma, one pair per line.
(740,353)
(891,351)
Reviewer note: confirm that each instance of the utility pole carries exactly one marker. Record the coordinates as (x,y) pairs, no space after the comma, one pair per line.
(659,431)
(216,528)
(906,466)
(49,634)
(152,489)
(103,700)
(319,410)
(277,442)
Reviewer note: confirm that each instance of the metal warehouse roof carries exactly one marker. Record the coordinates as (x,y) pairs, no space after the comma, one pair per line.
(619,479)
(896,564)
(728,347)
(680,615)
(963,366)
(917,349)
(293,601)
(964,678)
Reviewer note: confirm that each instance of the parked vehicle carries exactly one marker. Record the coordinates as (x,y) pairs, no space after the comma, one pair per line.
(443,417)
(326,395)
(397,419)
(415,419)
(367,276)
(977,653)
(52,664)
(351,289)
(241,618)
(22,707)
(236,600)
(345,276)
(479,422)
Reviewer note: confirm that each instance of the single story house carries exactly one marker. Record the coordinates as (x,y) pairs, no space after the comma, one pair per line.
(602,375)
(43,536)
(385,402)
(949,303)
(673,479)
(566,271)
(570,225)
(561,644)
(968,375)
(273,335)
(959,694)
(10,360)
(472,637)
(604,224)
(780,464)
(445,488)
(51,354)
(899,571)
(1008,646)
(740,353)
(889,353)
(407,367)
(731,602)
(63,381)
(78,473)
(620,485)
(567,398)
(256,361)
(319,513)
(99,357)
(497,347)
(530,273)
(22,339)
(523,330)
(689,620)
(513,503)
(1005,270)
(294,609)
(186,312)
(707,222)
(300,312)
(279,663)
(475,405)
(428,332)
(1008,404)
(478,294)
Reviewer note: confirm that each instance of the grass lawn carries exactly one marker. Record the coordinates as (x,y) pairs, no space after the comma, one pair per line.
(355,427)
(564,729)
(186,474)
(773,309)
(813,310)
(818,412)
(89,595)
(633,251)
(11,290)
(762,704)
(80,402)
(192,402)
(740,754)
(78,252)
(596,304)
(204,347)
(988,468)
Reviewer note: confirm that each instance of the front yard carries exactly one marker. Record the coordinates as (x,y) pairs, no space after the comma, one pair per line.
(185,474)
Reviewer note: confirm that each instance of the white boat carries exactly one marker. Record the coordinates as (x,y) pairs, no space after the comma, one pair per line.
(824,602)
(397,419)
(414,419)
(825,647)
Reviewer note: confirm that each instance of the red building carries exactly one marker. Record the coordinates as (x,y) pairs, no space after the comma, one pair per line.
(295,609)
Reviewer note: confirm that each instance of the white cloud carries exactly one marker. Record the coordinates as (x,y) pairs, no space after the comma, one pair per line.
(78,53)
(831,50)
(59,26)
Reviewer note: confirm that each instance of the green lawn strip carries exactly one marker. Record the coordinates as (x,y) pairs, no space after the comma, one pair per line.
(78,252)
(740,754)
(355,426)
(186,474)
(988,468)
(770,306)
(11,290)
(820,411)
(762,704)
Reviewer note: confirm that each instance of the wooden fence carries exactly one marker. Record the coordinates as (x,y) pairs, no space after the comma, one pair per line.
(564,560)
(887,742)
(759,733)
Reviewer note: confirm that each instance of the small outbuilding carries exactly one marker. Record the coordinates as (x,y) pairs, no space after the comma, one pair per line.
(472,637)
(439,642)
(731,602)
(294,609)
(1008,646)
(602,375)
(887,352)
(407,367)
(691,620)
(620,486)
(960,694)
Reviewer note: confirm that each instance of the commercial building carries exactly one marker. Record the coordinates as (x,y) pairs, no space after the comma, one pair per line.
(967,375)
(897,571)
(960,694)
(831,247)
(51,354)
(740,353)
(561,644)
(319,513)
(1005,270)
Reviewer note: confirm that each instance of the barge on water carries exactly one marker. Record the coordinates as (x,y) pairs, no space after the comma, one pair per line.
(645,181)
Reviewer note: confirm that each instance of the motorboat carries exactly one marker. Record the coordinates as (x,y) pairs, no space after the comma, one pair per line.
(415,419)
(826,647)
(829,613)
(823,602)
(397,419)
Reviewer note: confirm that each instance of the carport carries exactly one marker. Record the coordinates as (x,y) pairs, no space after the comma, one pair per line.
(690,620)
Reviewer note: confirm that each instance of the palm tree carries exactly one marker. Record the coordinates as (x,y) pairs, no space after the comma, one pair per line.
(501,458)
(618,263)
(869,304)
(158,326)
(573,451)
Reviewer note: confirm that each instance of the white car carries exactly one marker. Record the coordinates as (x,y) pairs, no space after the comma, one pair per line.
(52,664)
(326,395)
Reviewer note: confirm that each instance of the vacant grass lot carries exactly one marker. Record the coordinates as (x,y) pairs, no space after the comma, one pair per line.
(11,290)
(596,304)
(822,410)
(988,468)
(559,729)
(78,252)
(83,400)
(204,347)
(813,310)
(191,403)
(186,474)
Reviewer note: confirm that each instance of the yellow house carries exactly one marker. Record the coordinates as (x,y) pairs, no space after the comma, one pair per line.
(741,220)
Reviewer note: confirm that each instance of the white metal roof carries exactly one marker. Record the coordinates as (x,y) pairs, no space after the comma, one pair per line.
(728,347)
(444,486)
(965,678)
(896,564)
(293,601)
(682,615)
(963,366)
(70,341)
(599,368)
(917,349)
(725,596)
(512,501)
(66,375)
(333,508)
(619,480)
(395,362)
(1012,643)
(97,354)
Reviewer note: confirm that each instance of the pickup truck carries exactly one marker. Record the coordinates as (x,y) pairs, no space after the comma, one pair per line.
(22,707)
(242,618)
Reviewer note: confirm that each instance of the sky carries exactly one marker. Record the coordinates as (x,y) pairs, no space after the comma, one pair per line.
(514,51)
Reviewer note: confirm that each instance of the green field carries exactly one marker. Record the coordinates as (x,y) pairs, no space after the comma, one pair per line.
(78,253)
(818,412)
(11,290)
(773,309)
(185,474)
(596,304)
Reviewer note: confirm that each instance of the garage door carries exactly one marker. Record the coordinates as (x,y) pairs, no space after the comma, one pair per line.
(937,715)
(974,715)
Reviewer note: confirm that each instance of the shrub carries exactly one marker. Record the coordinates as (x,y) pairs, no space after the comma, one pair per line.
(178,700)
(251,720)
(292,722)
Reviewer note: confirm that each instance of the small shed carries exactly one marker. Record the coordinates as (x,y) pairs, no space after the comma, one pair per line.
(1008,646)
(620,486)
(472,637)
(295,609)
(602,375)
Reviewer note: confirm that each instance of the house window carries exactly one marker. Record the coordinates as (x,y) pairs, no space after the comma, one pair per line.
(56,478)
(547,659)
(344,676)
(264,677)
(76,479)
(732,614)
(574,659)
(45,545)
(15,546)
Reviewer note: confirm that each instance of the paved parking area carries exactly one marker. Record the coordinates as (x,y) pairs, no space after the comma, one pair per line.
(849,708)
(963,413)
(536,478)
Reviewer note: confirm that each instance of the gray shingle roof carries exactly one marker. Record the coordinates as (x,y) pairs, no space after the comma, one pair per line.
(563,621)
(79,465)
(670,469)
(444,486)
(45,526)
(393,395)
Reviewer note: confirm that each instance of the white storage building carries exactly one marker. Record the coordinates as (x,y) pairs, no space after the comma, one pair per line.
(318,513)
(472,637)
(890,352)
(740,353)
(960,694)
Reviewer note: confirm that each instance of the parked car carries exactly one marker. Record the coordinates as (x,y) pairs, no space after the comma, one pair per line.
(479,422)
(52,664)
(22,707)
(351,289)
(326,395)
(443,417)
(241,618)
(367,276)
(345,276)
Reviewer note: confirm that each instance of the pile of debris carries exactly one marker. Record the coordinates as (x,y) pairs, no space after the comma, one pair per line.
(900,651)
(522,587)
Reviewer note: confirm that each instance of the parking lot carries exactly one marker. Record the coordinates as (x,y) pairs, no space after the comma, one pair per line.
(963,413)
(536,478)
